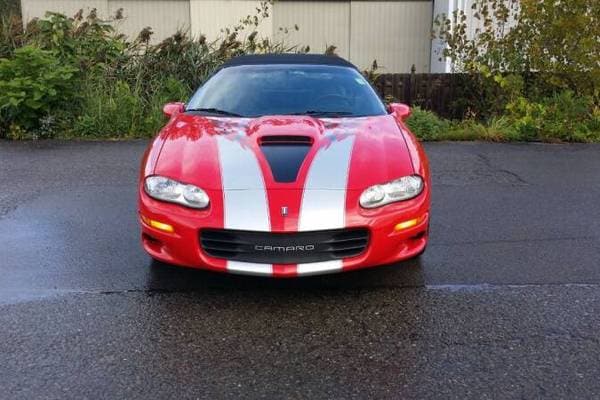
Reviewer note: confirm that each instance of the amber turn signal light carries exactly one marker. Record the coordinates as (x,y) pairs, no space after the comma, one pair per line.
(161,226)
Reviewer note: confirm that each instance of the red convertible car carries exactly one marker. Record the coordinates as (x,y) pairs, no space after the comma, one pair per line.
(285,166)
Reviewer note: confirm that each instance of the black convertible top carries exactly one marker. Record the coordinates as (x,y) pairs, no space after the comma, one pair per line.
(270,59)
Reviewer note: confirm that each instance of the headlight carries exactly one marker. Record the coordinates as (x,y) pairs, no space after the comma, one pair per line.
(404,188)
(166,189)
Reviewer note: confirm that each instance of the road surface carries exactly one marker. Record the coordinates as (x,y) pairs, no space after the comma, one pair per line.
(504,304)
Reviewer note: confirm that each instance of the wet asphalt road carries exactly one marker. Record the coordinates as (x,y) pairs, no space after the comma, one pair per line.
(504,304)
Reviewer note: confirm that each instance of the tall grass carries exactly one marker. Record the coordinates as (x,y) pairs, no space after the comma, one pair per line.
(11,27)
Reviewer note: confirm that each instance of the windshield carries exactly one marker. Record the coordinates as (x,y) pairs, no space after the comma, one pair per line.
(257,90)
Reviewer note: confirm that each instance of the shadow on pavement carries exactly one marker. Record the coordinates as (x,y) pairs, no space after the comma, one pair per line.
(168,278)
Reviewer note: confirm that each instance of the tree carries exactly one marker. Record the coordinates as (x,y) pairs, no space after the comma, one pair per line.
(558,40)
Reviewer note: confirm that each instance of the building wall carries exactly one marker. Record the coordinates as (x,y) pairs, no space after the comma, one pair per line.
(37,8)
(208,17)
(320,23)
(396,33)
(165,17)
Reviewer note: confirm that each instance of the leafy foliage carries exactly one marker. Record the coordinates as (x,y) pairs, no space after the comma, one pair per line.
(541,59)
(78,77)
(562,117)
(121,84)
(89,42)
(427,125)
(558,39)
(33,84)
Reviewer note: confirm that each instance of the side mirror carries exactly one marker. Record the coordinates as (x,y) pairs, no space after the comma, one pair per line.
(171,109)
(400,110)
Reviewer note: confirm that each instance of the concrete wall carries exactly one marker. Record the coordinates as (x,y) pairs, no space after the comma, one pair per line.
(396,33)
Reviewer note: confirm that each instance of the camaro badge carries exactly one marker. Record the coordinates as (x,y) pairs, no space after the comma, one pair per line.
(284,211)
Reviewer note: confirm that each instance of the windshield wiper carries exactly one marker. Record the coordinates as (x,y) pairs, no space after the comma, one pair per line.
(323,113)
(215,111)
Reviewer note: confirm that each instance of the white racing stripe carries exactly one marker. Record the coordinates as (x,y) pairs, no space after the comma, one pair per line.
(245,204)
(324,197)
(317,268)
(249,268)
(244,195)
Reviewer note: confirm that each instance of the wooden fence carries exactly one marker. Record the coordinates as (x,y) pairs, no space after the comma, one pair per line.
(448,95)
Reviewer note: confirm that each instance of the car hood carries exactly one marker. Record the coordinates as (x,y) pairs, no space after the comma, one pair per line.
(283,152)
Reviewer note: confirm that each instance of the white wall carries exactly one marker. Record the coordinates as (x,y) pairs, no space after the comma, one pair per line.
(37,8)
(164,16)
(397,33)
(208,17)
(321,23)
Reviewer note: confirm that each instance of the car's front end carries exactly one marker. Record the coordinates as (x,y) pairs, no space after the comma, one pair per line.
(285,195)
(247,222)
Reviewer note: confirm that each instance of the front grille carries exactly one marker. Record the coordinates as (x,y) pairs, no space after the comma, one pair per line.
(283,248)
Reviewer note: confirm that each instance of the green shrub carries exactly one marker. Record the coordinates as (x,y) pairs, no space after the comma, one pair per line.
(76,76)
(89,42)
(557,40)
(33,84)
(124,83)
(426,125)
(562,117)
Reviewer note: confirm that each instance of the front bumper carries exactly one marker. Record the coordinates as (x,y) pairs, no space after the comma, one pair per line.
(387,244)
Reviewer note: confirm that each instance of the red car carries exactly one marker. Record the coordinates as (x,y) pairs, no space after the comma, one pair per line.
(285,166)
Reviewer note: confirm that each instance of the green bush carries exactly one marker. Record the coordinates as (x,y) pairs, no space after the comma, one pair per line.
(77,77)
(33,85)
(89,43)
(562,117)
(122,84)
(557,40)
(427,125)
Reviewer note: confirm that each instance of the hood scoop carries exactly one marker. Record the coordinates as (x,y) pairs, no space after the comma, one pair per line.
(285,139)
(285,155)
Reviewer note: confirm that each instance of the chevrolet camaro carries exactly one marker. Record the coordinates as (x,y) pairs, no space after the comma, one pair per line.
(285,166)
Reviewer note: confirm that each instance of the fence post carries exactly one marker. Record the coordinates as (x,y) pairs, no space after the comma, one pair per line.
(412,86)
